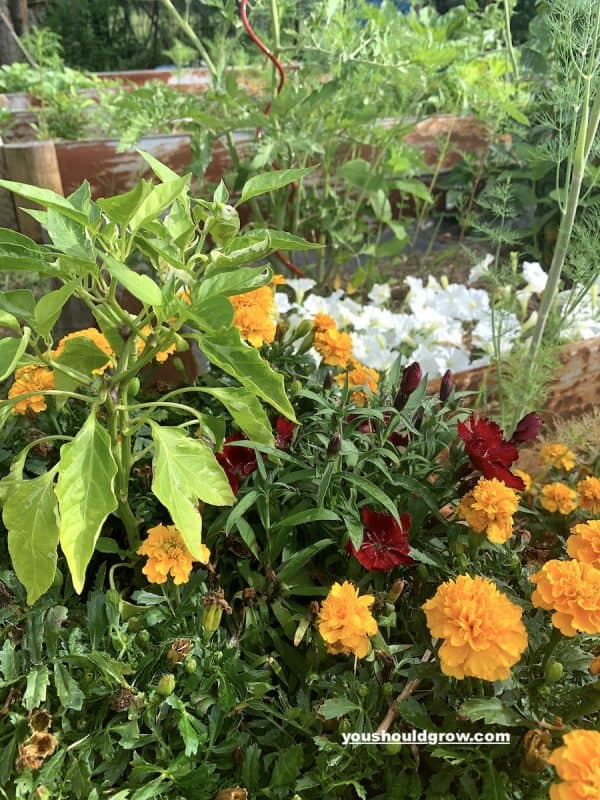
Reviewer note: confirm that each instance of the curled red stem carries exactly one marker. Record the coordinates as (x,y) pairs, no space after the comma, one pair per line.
(263,47)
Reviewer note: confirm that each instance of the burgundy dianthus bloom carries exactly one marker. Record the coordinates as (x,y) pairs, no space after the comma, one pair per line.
(238,462)
(284,432)
(527,429)
(489,451)
(385,542)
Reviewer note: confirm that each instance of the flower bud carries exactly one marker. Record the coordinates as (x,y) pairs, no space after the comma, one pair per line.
(328,381)
(395,590)
(134,387)
(334,446)
(306,343)
(411,378)
(166,685)
(302,329)
(224,225)
(446,385)
(190,665)
(214,605)
(535,744)
(553,671)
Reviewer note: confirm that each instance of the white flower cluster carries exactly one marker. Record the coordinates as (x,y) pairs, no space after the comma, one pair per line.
(442,325)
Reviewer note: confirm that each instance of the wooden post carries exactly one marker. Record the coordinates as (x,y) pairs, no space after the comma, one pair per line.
(35,163)
(19,13)
(8,212)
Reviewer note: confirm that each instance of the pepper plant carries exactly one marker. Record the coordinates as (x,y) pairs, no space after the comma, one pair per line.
(195,256)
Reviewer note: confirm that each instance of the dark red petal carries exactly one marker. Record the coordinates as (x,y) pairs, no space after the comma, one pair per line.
(527,429)
(284,431)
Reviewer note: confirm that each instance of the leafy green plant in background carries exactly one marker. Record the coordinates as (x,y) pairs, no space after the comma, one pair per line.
(91,244)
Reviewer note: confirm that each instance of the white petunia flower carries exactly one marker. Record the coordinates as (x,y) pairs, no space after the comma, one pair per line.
(380,294)
(535,276)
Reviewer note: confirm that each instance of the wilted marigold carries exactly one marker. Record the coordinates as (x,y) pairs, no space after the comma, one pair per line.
(558,497)
(254,315)
(168,555)
(577,763)
(572,590)
(589,494)
(490,507)
(345,622)
(162,356)
(30,379)
(483,633)
(95,336)
(360,376)
(558,455)
(584,543)
(595,666)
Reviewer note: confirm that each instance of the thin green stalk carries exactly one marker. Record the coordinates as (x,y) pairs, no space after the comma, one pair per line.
(508,39)
(191,33)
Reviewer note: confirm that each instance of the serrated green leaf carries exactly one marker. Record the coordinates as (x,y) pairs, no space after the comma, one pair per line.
(31,519)
(491,710)
(37,686)
(226,349)
(85,491)
(67,689)
(186,471)
(287,769)
(336,707)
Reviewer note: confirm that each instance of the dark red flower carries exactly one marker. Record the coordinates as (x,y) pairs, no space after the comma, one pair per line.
(446,385)
(411,378)
(527,429)
(284,432)
(238,462)
(489,451)
(385,542)
(399,439)
(366,426)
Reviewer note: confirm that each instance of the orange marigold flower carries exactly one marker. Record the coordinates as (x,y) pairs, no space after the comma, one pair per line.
(254,315)
(525,477)
(589,494)
(94,335)
(558,497)
(490,507)
(577,763)
(345,622)
(168,555)
(278,280)
(483,633)
(572,590)
(162,356)
(595,666)
(558,455)
(358,378)
(334,346)
(323,322)
(584,542)
(30,379)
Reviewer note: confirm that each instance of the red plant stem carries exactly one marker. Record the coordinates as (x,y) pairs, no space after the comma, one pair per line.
(263,47)
(289,264)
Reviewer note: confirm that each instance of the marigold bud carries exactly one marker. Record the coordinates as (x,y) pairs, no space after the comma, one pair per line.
(535,744)
(553,671)
(214,605)
(166,685)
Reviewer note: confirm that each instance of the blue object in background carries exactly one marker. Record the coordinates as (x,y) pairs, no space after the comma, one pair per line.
(401,5)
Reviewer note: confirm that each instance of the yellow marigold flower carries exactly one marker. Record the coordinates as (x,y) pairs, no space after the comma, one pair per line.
(345,622)
(595,666)
(558,455)
(168,555)
(589,494)
(30,379)
(359,377)
(323,322)
(578,765)
(254,314)
(525,477)
(162,356)
(483,634)
(572,590)
(334,346)
(558,497)
(94,335)
(490,507)
(584,543)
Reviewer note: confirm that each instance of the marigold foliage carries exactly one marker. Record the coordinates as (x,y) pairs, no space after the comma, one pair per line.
(490,507)
(30,379)
(483,634)
(589,494)
(94,335)
(254,315)
(345,622)
(168,555)
(572,590)
(584,543)
(558,497)
(359,377)
(577,763)
(558,455)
